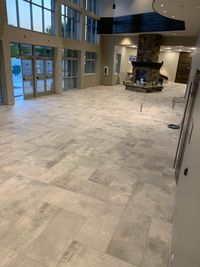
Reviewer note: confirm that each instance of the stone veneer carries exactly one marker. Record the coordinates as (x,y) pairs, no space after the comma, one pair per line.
(149,47)
(148,51)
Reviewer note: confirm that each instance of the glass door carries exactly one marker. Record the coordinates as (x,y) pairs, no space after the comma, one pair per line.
(40,77)
(27,74)
(49,76)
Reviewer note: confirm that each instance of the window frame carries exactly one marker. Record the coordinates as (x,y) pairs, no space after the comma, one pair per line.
(91,30)
(75,33)
(43,18)
(89,60)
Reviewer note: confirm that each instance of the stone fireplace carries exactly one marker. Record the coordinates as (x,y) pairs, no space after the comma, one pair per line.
(146,69)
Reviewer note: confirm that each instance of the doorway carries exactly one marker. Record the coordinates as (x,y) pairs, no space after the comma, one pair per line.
(22,74)
(17,78)
(32,70)
(183,70)
(44,76)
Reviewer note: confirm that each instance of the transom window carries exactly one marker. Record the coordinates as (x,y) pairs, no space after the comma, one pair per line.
(90,62)
(91,28)
(71,23)
(36,15)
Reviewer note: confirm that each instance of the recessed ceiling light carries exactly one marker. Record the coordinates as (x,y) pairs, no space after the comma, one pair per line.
(193,48)
(164,11)
(189,51)
(161,5)
(168,48)
(173,17)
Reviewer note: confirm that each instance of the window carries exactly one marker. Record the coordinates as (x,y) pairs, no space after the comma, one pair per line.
(77,2)
(93,6)
(70,69)
(91,35)
(90,62)
(36,15)
(71,23)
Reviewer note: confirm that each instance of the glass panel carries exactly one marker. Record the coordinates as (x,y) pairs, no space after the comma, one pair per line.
(49,52)
(47,4)
(26,50)
(11,12)
(63,9)
(37,18)
(28,88)
(24,14)
(40,86)
(48,21)
(17,77)
(49,68)
(27,77)
(40,51)
(39,69)
(14,50)
(49,85)
(38,2)
(27,69)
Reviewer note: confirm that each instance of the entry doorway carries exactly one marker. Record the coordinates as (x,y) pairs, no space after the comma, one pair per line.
(44,76)
(22,74)
(32,70)
(17,78)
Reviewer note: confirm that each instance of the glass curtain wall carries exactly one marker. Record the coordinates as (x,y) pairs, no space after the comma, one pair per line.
(35,15)
(91,28)
(71,23)
(70,69)
(90,62)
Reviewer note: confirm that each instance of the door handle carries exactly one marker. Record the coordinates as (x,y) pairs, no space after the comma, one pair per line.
(186,172)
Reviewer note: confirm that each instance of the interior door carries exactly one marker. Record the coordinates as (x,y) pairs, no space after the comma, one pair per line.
(186,233)
(40,77)
(49,68)
(27,74)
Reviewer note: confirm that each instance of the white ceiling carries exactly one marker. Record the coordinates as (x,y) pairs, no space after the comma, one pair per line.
(186,10)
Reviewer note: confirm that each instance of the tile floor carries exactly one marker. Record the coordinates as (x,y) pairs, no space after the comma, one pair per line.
(86,179)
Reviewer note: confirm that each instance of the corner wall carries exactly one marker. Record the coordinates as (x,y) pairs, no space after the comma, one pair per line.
(170,64)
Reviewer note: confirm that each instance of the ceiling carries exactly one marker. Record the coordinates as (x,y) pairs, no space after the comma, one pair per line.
(168,49)
(186,10)
(181,48)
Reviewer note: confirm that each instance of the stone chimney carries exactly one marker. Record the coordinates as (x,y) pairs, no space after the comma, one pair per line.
(149,47)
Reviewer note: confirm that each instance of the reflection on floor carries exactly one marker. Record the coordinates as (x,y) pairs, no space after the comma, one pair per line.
(86,179)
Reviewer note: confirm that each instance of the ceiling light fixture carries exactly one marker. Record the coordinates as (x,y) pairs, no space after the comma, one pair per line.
(161,5)
(173,17)
(164,11)
(193,48)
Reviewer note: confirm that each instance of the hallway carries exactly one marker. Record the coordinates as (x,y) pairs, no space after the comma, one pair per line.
(86,178)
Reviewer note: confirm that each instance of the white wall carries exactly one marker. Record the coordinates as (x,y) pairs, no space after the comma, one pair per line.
(130,7)
(170,64)
(124,7)
(126,65)
(106,8)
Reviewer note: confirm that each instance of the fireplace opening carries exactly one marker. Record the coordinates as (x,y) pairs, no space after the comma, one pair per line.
(141,75)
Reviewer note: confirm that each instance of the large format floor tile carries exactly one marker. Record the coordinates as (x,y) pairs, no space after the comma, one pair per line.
(86,179)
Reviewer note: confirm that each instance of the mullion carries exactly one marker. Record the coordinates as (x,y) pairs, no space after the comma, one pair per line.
(43,22)
(17,7)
